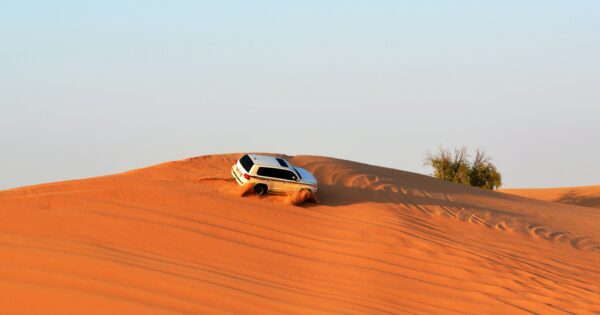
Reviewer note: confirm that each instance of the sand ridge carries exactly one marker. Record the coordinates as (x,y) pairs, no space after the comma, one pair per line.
(585,196)
(178,238)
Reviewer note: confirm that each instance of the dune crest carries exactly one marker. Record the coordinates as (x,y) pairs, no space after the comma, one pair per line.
(178,238)
(585,196)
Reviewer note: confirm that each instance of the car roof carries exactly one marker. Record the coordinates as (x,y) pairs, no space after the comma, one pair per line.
(271,161)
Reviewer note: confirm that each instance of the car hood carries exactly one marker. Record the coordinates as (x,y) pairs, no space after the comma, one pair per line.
(307,177)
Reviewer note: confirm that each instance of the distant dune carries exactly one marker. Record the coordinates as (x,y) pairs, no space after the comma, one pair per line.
(585,196)
(178,238)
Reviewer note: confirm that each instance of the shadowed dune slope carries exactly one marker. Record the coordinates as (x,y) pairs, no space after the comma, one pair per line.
(178,238)
(585,196)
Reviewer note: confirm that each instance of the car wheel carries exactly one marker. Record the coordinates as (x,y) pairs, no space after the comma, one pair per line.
(260,189)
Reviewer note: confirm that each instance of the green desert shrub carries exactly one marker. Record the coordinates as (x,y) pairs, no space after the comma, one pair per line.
(455,166)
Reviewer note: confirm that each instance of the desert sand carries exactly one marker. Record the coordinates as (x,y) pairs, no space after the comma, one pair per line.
(178,238)
(585,196)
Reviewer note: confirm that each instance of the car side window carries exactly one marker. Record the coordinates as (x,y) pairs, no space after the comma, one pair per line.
(288,175)
(266,171)
(275,173)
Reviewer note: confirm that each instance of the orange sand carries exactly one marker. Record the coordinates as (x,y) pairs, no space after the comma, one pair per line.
(178,238)
(586,196)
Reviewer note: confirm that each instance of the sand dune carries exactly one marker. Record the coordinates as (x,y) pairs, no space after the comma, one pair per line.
(585,196)
(178,238)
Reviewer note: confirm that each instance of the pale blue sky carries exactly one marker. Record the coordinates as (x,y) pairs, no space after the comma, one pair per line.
(91,88)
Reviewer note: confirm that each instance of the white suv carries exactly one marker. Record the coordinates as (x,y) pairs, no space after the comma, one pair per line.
(269,174)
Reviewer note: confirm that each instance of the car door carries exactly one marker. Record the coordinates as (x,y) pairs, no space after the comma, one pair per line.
(278,180)
(266,175)
(286,180)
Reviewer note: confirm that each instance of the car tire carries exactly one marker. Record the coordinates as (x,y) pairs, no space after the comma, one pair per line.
(309,191)
(260,189)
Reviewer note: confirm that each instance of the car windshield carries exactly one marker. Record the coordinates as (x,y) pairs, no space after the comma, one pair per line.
(298,172)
